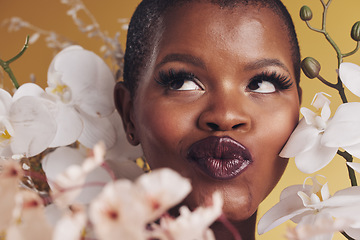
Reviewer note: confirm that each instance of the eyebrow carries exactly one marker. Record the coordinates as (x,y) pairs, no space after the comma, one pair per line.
(185,58)
(267,62)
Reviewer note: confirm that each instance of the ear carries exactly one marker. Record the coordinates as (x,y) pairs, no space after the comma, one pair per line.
(124,106)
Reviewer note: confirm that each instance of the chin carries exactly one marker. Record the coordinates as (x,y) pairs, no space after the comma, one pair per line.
(239,209)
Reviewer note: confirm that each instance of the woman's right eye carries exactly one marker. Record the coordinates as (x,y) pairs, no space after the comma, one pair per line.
(179,81)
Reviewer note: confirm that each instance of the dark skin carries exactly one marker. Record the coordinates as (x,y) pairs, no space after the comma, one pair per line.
(225,50)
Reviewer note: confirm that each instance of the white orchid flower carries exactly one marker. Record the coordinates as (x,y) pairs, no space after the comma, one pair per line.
(82,85)
(305,205)
(27,126)
(316,139)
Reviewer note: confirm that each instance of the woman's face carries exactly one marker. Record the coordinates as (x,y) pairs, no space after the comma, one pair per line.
(218,103)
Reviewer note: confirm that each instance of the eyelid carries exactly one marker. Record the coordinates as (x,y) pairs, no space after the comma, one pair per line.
(279,80)
(166,78)
(199,83)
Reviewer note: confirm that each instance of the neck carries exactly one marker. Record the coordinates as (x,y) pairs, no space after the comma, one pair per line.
(245,228)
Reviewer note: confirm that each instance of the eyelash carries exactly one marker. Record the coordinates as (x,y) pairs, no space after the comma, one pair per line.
(281,82)
(167,79)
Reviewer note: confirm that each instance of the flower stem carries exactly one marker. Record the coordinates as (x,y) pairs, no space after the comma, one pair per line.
(353,51)
(349,158)
(326,82)
(6,64)
(347,236)
(230,227)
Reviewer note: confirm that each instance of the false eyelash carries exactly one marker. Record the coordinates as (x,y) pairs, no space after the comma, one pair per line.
(281,82)
(167,79)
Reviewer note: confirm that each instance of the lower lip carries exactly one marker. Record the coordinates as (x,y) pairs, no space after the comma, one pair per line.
(223,169)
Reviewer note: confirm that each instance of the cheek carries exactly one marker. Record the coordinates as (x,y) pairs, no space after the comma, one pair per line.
(277,125)
(162,129)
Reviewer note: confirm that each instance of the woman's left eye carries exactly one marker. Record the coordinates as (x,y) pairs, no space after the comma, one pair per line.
(184,85)
(269,83)
(261,86)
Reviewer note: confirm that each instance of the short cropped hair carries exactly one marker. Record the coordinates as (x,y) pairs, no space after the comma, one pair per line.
(145,27)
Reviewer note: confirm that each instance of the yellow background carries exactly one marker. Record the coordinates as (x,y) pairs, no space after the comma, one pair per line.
(51,15)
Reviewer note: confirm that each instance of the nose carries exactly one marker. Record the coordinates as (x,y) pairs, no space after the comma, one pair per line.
(226,113)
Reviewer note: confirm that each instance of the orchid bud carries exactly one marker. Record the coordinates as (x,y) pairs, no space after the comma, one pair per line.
(355,31)
(305,13)
(311,67)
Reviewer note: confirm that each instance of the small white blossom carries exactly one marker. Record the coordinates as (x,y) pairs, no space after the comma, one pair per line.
(74,179)
(10,176)
(191,225)
(29,218)
(72,224)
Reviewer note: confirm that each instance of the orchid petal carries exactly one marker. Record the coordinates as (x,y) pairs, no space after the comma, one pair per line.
(122,149)
(125,169)
(294,189)
(158,188)
(71,225)
(325,193)
(344,128)
(69,126)
(96,159)
(128,223)
(94,183)
(320,100)
(325,112)
(281,212)
(29,207)
(57,161)
(29,89)
(89,78)
(302,139)
(349,74)
(355,166)
(34,126)
(348,196)
(353,149)
(315,158)
(97,129)
(309,115)
(353,232)
(5,100)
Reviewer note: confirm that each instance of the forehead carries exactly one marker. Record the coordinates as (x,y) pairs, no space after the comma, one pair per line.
(205,26)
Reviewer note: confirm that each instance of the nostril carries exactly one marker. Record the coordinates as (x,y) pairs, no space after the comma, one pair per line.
(213,126)
(237,126)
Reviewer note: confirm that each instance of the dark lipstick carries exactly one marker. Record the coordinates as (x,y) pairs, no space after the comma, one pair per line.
(220,157)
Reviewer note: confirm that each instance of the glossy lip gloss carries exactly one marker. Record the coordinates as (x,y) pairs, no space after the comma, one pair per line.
(220,157)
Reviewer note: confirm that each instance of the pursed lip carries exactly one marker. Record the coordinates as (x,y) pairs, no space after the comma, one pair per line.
(220,157)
